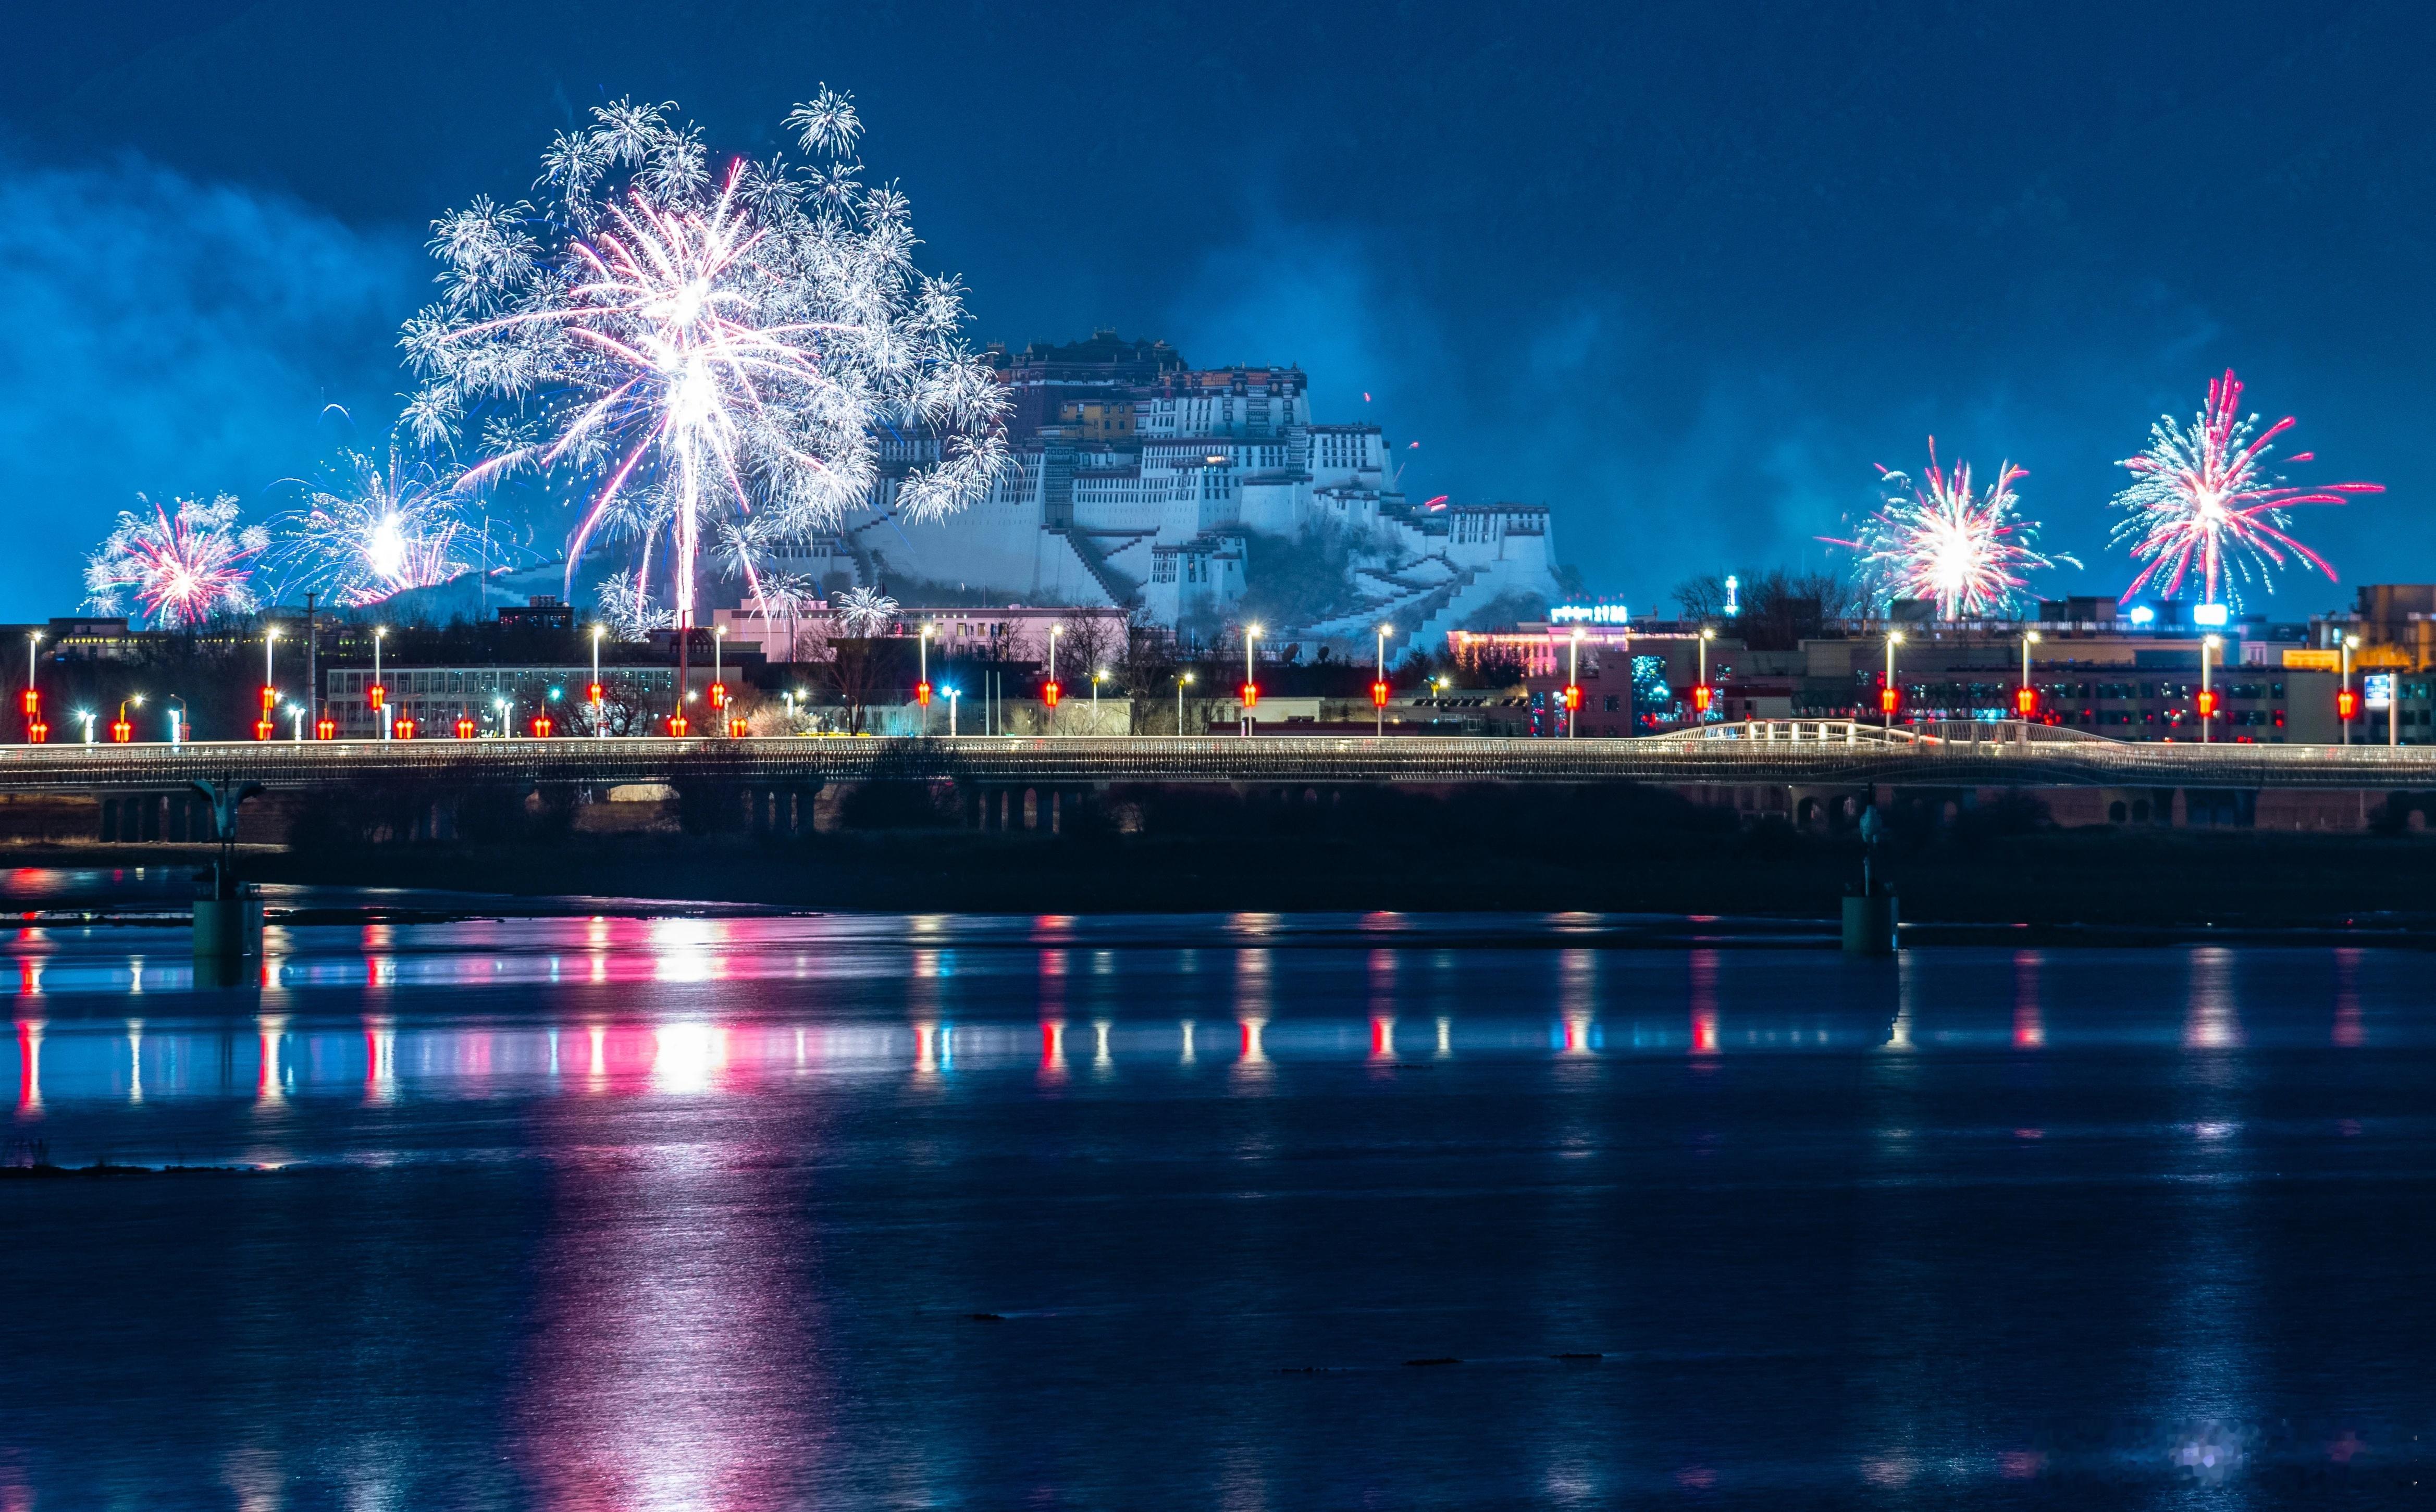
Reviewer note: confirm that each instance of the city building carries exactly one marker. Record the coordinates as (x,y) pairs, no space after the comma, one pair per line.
(993,632)
(437,696)
(1139,479)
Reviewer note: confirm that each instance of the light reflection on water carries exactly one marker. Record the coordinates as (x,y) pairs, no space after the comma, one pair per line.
(742,1212)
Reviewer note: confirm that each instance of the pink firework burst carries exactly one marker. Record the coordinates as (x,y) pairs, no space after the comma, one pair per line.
(1941,540)
(182,568)
(2202,506)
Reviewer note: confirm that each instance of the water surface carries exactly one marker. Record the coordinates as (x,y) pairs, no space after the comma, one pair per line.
(1254,1212)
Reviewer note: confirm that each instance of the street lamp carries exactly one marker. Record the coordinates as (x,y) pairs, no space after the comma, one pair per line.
(718,675)
(87,716)
(1251,688)
(1702,695)
(35,728)
(1887,696)
(1099,674)
(952,696)
(922,688)
(379,692)
(296,713)
(122,729)
(1180,681)
(1049,689)
(505,707)
(2346,702)
(2207,694)
(176,703)
(593,693)
(1574,686)
(1379,685)
(269,688)
(2026,699)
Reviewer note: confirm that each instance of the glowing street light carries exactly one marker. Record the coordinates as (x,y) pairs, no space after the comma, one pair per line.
(296,713)
(1251,688)
(2207,694)
(1379,684)
(1887,696)
(36,731)
(379,692)
(1702,695)
(1099,675)
(269,687)
(952,696)
(2347,702)
(922,688)
(1049,689)
(505,707)
(1573,686)
(718,670)
(2026,698)
(592,695)
(122,729)
(1181,680)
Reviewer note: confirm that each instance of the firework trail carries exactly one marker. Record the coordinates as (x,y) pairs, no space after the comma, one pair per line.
(1942,541)
(697,346)
(2201,504)
(370,530)
(180,568)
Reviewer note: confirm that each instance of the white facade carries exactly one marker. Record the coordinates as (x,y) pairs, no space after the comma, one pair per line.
(1155,511)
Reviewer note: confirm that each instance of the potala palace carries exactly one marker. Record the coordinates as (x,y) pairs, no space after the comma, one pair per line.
(1199,494)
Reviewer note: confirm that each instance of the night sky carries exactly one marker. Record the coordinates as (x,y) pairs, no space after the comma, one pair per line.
(1684,272)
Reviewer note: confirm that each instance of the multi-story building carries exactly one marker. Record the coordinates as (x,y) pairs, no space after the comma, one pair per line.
(1138,480)
(437,696)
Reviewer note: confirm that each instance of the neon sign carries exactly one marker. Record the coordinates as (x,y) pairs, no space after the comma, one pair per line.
(1589,614)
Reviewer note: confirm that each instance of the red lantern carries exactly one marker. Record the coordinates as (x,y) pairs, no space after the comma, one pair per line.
(269,703)
(1379,695)
(739,726)
(1888,698)
(922,694)
(1702,696)
(719,695)
(33,702)
(541,727)
(379,695)
(37,732)
(1049,692)
(677,726)
(1573,698)
(2026,699)
(2347,705)
(592,693)
(121,730)
(465,726)
(1251,694)
(2207,704)
(403,728)
(325,728)
(262,728)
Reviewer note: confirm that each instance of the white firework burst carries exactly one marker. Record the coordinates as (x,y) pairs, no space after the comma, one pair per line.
(702,345)
(863,611)
(370,530)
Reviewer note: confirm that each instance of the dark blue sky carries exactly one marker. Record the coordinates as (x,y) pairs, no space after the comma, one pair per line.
(1685,273)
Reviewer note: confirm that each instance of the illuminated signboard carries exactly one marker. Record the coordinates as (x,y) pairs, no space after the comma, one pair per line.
(2380,689)
(1589,614)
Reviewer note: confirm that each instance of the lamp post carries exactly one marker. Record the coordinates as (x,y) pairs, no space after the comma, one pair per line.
(1049,690)
(87,716)
(952,696)
(1887,699)
(1251,688)
(296,713)
(2344,706)
(506,707)
(35,729)
(1702,695)
(599,722)
(1378,686)
(719,678)
(1574,686)
(2025,700)
(1099,674)
(1182,678)
(2207,693)
(176,705)
(269,688)
(380,689)
(922,688)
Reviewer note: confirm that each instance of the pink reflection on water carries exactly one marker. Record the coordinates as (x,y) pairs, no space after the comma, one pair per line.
(1704,1003)
(2029,1028)
(2213,1022)
(29,1066)
(2348,1031)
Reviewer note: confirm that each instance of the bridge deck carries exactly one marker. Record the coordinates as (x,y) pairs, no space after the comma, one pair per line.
(1801,753)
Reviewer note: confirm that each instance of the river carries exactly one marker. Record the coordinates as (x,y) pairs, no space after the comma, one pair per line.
(1277,1211)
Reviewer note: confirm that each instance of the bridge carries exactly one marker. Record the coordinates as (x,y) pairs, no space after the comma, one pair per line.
(1792,752)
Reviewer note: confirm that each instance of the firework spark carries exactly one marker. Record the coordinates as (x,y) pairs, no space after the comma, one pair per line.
(180,568)
(699,346)
(2202,506)
(1942,541)
(370,530)
(865,611)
